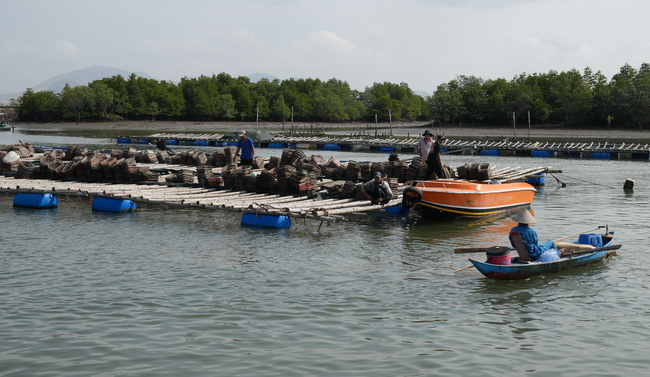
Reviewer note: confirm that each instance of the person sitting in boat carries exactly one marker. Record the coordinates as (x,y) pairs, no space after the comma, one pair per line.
(425,144)
(434,165)
(377,190)
(545,252)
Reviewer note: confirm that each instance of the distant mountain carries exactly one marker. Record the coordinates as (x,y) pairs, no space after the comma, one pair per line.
(255,77)
(83,77)
(5,98)
(422,93)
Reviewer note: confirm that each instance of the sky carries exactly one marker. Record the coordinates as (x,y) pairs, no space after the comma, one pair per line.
(423,43)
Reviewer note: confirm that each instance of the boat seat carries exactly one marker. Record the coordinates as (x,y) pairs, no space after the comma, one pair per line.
(518,243)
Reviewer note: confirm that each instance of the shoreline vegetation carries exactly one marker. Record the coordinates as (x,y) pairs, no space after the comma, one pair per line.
(571,99)
(401,129)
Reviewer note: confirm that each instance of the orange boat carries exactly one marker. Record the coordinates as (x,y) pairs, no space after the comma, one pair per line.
(445,199)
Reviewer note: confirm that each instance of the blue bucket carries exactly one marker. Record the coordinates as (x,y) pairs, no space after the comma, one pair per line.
(34,200)
(113,205)
(265,221)
(594,240)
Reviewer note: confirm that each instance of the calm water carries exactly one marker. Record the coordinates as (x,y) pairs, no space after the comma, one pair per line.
(168,291)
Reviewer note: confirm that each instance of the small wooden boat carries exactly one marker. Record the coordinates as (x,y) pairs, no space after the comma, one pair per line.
(518,270)
(445,199)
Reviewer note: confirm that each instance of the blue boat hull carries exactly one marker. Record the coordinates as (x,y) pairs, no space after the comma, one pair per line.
(521,271)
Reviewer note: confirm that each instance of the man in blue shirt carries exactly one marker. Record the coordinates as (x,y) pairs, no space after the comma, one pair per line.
(529,236)
(247,148)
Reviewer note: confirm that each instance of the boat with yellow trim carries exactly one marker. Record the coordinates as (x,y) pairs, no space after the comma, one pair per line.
(445,199)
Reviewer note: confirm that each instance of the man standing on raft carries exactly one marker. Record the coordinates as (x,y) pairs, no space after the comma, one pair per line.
(247,149)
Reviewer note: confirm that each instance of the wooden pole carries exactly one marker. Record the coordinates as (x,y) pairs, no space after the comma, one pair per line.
(390,119)
(375,125)
(257,124)
(514,124)
(529,126)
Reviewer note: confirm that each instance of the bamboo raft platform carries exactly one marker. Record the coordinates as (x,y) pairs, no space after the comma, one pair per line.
(193,195)
(504,147)
(329,210)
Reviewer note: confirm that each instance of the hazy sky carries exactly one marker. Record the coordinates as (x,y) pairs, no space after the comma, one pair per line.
(423,43)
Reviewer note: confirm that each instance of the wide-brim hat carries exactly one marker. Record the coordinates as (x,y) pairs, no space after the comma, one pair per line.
(524,217)
(427,132)
(242,133)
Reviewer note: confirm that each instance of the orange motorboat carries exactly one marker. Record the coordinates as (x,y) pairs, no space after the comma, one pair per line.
(445,199)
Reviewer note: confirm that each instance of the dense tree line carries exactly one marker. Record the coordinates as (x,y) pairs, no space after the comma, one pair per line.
(221,97)
(570,98)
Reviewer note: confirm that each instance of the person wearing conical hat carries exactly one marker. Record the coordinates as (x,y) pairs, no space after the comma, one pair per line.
(434,165)
(529,236)
(425,144)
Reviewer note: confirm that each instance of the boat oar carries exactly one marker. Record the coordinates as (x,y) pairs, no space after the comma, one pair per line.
(464,268)
(492,249)
(586,231)
(589,251)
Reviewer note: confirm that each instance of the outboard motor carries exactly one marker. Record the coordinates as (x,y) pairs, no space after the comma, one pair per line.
(410,196)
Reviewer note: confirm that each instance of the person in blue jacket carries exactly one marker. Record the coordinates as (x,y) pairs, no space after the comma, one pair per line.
(247,148)
(529,236)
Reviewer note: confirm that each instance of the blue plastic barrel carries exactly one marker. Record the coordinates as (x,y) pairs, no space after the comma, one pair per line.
(601,155)
(537,179)
(143,141)
(540,153)
(489,152)
(123,140)
(172,142)
(35,200)
(113,205)
(265,221)
(387,149)
(232,143)
(203,143)
(392,211)
(276,145)
(332,147)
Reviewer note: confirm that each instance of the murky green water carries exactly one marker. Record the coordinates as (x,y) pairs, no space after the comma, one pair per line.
(169,291)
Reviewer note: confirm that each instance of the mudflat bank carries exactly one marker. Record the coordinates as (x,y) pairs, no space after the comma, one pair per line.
(537,132)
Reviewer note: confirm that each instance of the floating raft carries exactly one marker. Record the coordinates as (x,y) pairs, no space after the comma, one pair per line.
(238,201)
(505,147)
